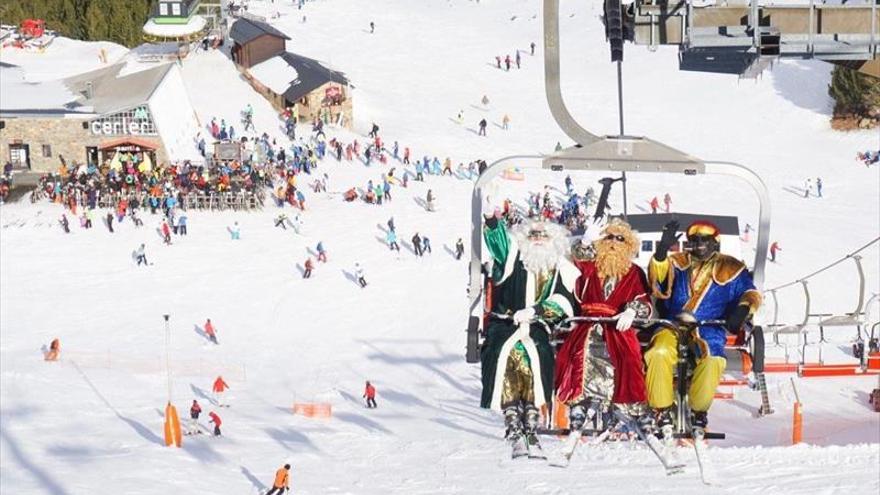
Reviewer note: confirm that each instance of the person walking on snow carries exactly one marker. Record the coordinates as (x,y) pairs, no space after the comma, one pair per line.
(212,333)
(774,248)
(532,46)
(181,224)
(482,124)
(819,187)
(322,254)
(217,422)
(359,273)
(417,244)
(372,27)
(459,249)
(391,239)
(507,62)
(429,200)
(518,59)
(667,202)
(282,481)
(426,245)
(219,387)
(309,266)
(140,256)
(370,395)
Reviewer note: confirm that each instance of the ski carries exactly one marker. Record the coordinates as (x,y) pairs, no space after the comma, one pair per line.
(651,441)
(707,469)
(669,445)
(534,447)
(518,447)
(562,456)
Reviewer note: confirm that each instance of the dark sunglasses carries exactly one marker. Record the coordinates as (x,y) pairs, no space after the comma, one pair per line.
(615,237)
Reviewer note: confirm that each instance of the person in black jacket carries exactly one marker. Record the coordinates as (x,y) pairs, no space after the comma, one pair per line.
(417,244)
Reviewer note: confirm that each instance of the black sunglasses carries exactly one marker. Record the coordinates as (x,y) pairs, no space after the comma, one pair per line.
(616,237)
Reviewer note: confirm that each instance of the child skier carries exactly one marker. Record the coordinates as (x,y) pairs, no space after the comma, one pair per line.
(370,395)
(217,422)
(282,481)
(194,412)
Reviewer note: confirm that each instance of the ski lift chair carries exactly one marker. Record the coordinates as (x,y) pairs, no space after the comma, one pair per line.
(854,319)
(799,329)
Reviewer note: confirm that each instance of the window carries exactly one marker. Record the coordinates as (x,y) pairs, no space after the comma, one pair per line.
(647,245)
(163,9)
(175,9)
(47,151)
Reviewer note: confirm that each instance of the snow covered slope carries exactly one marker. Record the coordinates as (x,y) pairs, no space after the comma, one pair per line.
(92,423)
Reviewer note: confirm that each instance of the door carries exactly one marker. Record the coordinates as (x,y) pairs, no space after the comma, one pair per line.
(92,155)
(20,156)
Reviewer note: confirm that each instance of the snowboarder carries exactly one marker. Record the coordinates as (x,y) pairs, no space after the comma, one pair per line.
(517,358)
(610,285)
(54,351)
(217,422)
(219,387)
(725,292)
(322,254)
(359,273)
(282,481)
(482,124)
(370,395)
(774,248)
(308,268)
(212,333)
(140,256)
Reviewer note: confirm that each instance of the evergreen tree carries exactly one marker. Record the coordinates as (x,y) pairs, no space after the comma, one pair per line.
(854,93)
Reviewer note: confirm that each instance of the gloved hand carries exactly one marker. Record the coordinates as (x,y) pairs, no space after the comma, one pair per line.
(625,319)
(593,231)
(737,317)
(524,315)
(488,207)
(667,240)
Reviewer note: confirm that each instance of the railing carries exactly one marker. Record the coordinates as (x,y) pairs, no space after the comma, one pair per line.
(240,201)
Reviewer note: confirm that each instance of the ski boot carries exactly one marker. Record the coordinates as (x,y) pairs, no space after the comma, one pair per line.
(531,418)
(699,419)
(513,433)
(577,417)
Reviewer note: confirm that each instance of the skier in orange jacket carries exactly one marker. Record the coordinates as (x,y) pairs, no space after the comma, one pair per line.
(282,480)
(370,395)
(220,386)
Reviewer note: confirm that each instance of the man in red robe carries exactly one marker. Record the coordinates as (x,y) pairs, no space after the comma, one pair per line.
(610,285)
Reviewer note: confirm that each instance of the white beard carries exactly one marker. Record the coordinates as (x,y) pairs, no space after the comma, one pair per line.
(540,258)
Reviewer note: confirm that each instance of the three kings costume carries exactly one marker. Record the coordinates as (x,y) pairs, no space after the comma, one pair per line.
(517,360)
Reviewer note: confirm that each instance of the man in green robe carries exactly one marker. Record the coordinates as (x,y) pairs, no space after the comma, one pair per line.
(532,280)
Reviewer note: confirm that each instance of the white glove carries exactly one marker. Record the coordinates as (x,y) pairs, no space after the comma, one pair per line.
(593,231)
(625,319)
(488,208)
(524,315)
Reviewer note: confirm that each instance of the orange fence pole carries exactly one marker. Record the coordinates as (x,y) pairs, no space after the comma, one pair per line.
(797,420)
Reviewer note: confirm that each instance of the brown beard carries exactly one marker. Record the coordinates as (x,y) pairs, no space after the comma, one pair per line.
(612,259)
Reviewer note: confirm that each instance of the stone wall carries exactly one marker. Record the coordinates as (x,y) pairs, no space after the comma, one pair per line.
(66,136)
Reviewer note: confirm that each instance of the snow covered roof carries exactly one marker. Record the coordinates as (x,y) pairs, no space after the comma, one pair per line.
(275,73)
(195,24)
(111,93)
(21,97)
(245,30)
(310,75)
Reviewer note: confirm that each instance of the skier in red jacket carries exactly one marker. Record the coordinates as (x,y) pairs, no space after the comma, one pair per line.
(217,422)
(209,329)
(219,387)
(370,395)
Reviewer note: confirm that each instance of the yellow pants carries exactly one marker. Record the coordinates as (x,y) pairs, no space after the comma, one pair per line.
(661,359)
